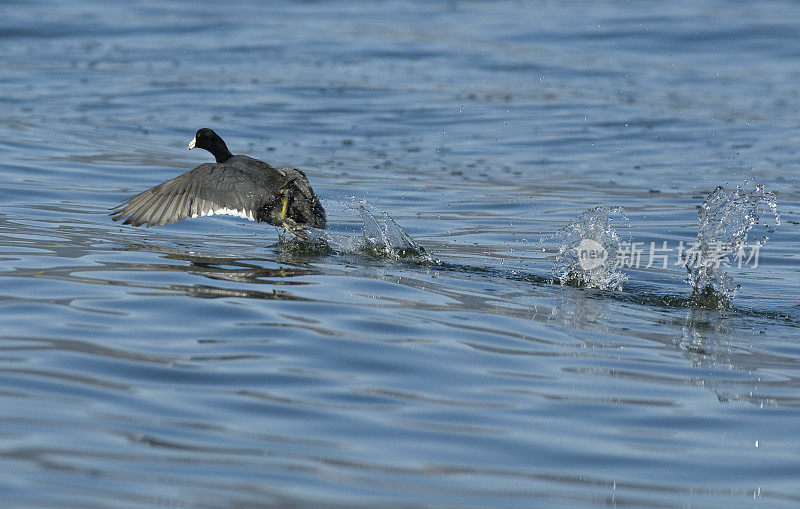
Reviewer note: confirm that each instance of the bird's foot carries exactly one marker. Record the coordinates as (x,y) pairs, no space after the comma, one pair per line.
(298,231)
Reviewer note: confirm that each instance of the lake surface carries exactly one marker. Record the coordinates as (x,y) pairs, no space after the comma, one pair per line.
(215,362)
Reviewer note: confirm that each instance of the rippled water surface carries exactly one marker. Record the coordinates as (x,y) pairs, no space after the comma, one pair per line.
(214,363)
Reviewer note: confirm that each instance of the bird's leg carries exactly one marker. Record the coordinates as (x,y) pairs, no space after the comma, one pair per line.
(298,231)
(287,195)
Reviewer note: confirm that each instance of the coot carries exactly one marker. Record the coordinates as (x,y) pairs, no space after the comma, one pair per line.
(235,185)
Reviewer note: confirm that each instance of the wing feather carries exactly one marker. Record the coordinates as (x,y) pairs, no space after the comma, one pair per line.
(241,186)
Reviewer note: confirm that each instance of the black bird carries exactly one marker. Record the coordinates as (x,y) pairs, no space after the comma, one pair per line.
(235,185)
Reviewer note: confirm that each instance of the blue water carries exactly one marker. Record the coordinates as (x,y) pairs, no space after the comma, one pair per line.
(214,363)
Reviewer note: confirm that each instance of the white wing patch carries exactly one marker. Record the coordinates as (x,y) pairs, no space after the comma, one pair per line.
(225,211)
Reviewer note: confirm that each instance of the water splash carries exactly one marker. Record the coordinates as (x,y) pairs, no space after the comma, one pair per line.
(725,220)
(587,250)
(381,237)
(385,239)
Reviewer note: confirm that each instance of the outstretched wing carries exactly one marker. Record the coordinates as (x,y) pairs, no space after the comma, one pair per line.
(206,190)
